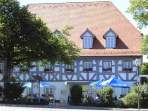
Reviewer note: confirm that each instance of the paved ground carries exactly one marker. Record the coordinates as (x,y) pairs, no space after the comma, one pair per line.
(63,108)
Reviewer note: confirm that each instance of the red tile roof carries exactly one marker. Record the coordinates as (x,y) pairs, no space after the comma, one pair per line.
(98,17)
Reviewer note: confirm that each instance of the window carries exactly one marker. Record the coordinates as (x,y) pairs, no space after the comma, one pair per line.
(69,68)
(46,91)
(87,37)
(110,37)
(49,68)
(87,66)
(57,33)
(127,66)
(107,66)
(1,67)
(87,42)
(110,42)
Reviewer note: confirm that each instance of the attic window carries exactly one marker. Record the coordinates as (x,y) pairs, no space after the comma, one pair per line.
(57,33)
(87,37)
(110,37)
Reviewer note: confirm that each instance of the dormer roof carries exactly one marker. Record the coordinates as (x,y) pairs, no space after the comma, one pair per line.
(110,32)
(87,32)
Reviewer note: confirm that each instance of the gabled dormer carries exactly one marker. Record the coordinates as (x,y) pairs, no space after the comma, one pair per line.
(110,37)
(87,38)
(57,33)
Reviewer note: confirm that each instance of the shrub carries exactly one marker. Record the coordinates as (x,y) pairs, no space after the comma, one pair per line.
(144,68)
(88,101)
(106,96)
(13,90)
(119,103)
(131,100)
(76,94)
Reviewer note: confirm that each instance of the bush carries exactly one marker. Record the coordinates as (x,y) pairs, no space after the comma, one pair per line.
(106,96)
(131,100)
(144,99)
(76,95)
(119,103)
(13,90)
(144,68)
(88,101)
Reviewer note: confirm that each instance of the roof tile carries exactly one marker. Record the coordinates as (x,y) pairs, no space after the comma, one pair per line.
(98,17)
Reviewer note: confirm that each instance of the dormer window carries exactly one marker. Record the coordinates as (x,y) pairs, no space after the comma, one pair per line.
(87,37)
(110,37)
(57,33)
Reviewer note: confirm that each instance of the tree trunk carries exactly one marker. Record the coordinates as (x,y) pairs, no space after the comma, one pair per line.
(7,71)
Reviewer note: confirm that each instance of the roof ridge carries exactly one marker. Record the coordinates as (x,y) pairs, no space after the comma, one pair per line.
(71,2)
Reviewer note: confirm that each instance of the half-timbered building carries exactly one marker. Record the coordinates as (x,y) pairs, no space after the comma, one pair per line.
(109,45)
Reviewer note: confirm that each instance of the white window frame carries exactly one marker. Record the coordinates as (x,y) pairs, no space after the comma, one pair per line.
(107,66)
(127,65)
(87,42)
(69,67)
(49,67)
(110,37)
(87,37)
(111,42)
(87,66)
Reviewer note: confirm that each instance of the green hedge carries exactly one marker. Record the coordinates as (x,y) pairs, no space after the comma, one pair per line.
(106,96)
(131,100)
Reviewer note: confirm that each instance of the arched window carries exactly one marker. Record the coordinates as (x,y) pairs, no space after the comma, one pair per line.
(87,37)
(110,37)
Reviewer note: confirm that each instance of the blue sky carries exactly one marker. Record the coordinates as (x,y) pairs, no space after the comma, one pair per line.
(122,5)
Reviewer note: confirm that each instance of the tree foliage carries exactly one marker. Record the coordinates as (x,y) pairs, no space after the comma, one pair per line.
(13,90)
(144,68)
(25,38)
(139,10)
(106,96)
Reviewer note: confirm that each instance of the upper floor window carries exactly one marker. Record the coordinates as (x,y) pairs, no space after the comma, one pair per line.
(49,67)
(87,37)
(110,37)
(107,66)
(69,67)
(87,66)
(1,67)
(127,66)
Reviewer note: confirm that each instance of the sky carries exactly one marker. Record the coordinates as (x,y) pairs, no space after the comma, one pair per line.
(122,5)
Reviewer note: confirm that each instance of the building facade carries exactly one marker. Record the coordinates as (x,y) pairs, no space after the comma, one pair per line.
(109,45)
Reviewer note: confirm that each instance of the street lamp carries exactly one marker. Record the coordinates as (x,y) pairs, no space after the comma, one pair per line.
(138,63)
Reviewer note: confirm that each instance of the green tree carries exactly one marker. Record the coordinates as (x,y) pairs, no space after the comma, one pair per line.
(144,68)
(145,45)
(139,10)
(25,38)
(106,96)
(13,90)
